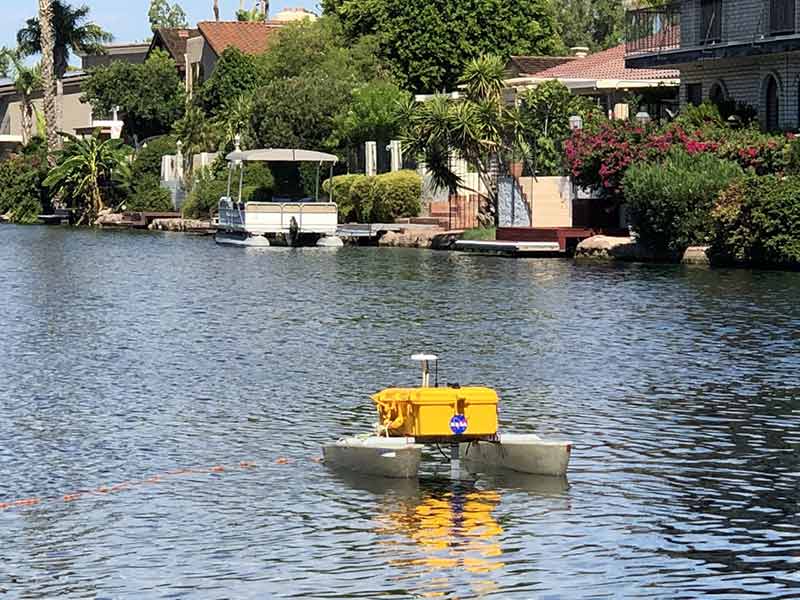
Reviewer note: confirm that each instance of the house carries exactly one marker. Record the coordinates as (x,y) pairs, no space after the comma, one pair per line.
(73,115)
(174,41)
(734,51)
(197,51)
(603,76)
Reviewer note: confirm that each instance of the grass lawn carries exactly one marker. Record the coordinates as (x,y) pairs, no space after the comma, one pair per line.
(480,234)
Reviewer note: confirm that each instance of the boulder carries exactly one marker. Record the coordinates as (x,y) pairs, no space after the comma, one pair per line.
(110,219)
(696,255)
(613,248)
(411,238)
(183,225)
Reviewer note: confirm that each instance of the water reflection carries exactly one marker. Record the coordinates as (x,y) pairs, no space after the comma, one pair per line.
(442,535)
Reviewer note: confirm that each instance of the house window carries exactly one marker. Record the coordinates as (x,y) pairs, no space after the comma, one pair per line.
(694,94)
(781,16)
(717,95)
(710,21)
(772,105)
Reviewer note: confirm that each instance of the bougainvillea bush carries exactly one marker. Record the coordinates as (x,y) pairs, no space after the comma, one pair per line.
(599,155)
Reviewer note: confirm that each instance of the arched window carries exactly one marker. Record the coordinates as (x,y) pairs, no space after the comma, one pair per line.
(718,94)
(771,105)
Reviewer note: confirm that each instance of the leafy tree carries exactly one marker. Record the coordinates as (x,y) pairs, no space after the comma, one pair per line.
(310,75)
(544,114)
(596,24)
(71,33)
(23,196)
(150,95)
(427,44)
(479,128)
(374,114)
(320,49)
(236,73)
(85,168)
(164,14)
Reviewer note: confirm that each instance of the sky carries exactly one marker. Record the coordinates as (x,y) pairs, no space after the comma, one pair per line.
(127,19)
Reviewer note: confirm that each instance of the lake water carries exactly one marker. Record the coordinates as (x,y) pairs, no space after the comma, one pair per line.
(143,361)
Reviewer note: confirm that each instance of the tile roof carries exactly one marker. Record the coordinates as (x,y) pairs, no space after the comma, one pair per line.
(174,40)
(607,64)
(530,65)
(249,37)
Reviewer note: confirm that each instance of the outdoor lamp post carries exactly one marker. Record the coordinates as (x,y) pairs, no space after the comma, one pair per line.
(576,122)
(643,117)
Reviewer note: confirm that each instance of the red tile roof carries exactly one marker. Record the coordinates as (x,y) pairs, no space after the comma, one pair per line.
(607,64)
(249,37)
(530,65)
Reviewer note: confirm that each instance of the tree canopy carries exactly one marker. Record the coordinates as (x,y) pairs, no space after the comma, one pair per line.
(164,14)
(73,33)
(596,24)
(427,44)
(150,95)
(236,73)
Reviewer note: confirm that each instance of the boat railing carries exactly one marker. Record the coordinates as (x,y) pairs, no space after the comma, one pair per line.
(279,217)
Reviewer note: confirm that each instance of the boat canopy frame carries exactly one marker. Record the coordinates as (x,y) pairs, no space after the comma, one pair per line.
(238,157)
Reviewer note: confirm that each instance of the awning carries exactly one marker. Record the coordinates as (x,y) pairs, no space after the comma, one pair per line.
(281,155)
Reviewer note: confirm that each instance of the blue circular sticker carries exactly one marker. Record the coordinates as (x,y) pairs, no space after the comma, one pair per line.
(458,424)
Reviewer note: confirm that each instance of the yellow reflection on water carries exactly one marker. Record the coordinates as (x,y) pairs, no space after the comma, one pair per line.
(441,534)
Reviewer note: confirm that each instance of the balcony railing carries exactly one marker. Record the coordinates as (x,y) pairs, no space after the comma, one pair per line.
(653,30)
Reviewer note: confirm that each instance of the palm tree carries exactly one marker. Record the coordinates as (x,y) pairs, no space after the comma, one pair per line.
(72,33)
(477,128)
(27,81)
(47,47)
(85,166)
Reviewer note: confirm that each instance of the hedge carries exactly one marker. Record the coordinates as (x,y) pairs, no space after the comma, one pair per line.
(670,201)
(757,221)
(382,198)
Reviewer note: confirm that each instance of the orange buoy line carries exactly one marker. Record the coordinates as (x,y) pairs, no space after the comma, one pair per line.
(127,485)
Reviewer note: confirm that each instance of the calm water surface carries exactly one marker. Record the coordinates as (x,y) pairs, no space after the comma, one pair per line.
(126,357)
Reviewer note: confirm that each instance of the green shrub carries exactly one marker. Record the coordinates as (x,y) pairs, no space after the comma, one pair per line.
(148,159)
(361,196)
(396,195)
(23,196)
(757,221)
(209,187)
(148,195)
(341,194)
(670,201)
(379,199)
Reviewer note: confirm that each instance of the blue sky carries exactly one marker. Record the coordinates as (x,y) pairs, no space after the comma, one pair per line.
(127,19)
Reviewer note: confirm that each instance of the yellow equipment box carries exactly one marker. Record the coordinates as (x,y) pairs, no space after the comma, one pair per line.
(437,412)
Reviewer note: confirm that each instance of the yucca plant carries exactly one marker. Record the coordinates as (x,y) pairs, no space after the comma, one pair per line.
(84,167)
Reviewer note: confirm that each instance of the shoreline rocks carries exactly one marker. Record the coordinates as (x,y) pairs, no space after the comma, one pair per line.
(181,225)
(604,247)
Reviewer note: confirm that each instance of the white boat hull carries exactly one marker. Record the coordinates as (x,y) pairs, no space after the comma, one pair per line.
(379,456)
(524,453)
(237,239)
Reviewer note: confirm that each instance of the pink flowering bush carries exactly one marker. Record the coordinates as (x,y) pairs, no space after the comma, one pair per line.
(599,155)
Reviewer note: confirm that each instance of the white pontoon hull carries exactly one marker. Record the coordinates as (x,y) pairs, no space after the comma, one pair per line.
(524,453)
(235,239)
(379,456)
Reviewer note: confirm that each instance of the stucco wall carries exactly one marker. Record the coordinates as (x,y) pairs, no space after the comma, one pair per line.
(550,198)
(72,114)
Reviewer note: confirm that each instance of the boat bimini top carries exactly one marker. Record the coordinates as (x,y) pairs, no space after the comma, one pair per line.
(281,155)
